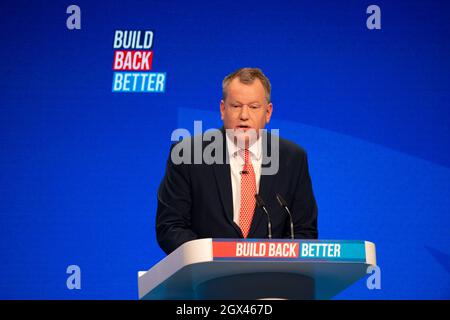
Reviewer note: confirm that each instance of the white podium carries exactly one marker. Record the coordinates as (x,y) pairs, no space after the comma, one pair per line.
(257,268)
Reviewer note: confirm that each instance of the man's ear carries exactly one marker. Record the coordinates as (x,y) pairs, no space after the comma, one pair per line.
(222,109)
(269,112)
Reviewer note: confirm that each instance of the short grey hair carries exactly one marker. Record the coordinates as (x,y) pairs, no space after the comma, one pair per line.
(247,76)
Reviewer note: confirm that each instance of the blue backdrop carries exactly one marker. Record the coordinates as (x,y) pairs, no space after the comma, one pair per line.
(80,165)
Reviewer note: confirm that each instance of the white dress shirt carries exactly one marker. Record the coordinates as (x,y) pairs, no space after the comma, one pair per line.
(236,165)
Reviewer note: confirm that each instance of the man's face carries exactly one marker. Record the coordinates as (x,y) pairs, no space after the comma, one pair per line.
(245,107)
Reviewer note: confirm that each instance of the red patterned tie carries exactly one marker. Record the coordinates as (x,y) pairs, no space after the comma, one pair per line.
(248,191)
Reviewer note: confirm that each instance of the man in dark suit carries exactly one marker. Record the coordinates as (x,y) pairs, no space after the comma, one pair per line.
(218,200)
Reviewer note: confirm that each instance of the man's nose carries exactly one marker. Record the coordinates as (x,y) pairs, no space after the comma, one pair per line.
(244,113)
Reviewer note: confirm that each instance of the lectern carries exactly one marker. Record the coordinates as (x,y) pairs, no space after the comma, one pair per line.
(257,269)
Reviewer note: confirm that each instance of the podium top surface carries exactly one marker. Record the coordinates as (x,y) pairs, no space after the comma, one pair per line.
(334,264)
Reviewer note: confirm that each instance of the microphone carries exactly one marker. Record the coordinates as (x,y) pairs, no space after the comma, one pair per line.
(244,172)
(283,204)
(262,205)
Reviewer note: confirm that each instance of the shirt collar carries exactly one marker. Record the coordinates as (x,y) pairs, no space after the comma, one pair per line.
(255,148)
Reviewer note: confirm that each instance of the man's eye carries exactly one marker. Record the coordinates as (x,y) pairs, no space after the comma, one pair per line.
(236,106)
(254,106)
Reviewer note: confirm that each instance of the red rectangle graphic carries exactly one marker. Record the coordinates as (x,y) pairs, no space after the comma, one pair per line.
(253,249)
(135,60)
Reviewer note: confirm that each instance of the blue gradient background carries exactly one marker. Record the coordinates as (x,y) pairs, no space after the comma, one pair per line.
(80,165)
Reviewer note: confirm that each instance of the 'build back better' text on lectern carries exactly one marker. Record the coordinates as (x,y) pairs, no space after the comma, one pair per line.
(257,269)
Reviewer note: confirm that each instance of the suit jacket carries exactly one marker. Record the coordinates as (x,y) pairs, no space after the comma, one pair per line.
(195,200)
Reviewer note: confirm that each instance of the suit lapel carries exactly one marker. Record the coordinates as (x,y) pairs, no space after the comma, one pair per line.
(223,181)
(266,185)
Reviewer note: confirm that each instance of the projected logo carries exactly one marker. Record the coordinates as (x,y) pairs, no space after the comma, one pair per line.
(132,64)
